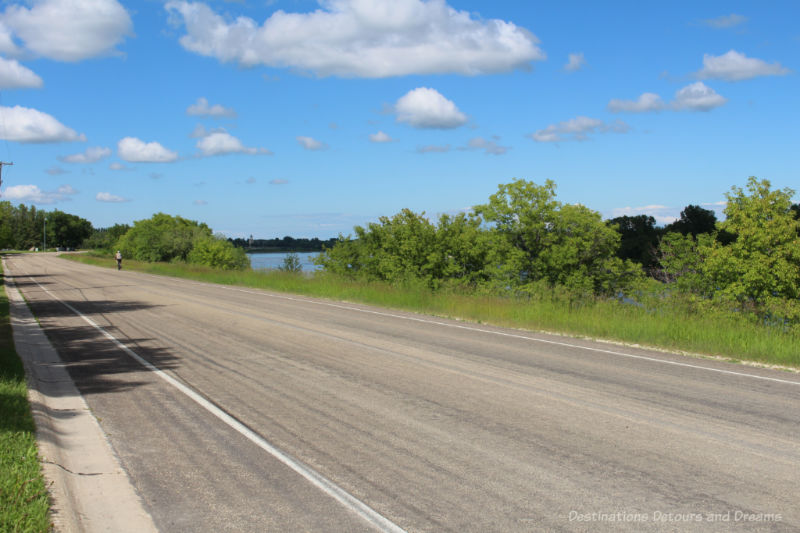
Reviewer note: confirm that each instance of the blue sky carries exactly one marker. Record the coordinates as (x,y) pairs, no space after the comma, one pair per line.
(306,118)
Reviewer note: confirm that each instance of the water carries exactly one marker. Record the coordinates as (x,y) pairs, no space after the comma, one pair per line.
(274,260)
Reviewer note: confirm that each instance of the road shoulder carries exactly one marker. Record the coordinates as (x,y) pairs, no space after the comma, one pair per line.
(90,491)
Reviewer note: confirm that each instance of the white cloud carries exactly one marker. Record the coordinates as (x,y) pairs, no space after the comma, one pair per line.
(201,108)
(725,21)
(221,143)
(576,62)
(488,147)
(427,108)
(380,137)
(697,97)
(26,125)
(15,76)
(733,66)
(250,180)
(309,143)
(200,202)
(135,150)
(662,213)
(33,194)
(433,149)
(66,30)
(110,198)
(646,102)
(577,129)
(118,166)
(91,155)
(278,182)
(363,39)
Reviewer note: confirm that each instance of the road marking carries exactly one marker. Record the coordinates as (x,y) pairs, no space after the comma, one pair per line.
(327,486)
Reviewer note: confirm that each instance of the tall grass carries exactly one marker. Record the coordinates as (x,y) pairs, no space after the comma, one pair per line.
(24,502)
(669,324)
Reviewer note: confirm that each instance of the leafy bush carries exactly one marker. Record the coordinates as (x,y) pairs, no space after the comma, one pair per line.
(218,252)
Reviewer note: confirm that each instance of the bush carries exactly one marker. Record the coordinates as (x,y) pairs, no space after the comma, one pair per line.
(218,252)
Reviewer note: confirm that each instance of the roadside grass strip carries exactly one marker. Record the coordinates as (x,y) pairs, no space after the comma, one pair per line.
(667,326)
(24,501)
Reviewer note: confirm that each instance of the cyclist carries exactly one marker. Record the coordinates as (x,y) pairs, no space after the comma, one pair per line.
(118,257)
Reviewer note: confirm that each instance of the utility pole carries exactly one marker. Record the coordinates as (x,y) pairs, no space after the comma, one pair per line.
(1,170)
(45,235)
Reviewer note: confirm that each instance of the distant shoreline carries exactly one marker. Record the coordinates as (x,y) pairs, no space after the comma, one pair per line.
(282,249)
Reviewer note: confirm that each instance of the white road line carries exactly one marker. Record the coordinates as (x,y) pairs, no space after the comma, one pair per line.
(327,486)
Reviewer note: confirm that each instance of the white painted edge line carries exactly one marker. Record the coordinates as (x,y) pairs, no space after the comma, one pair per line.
(327,486)
(492,332)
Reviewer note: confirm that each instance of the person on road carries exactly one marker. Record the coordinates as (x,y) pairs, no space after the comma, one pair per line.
(118,257)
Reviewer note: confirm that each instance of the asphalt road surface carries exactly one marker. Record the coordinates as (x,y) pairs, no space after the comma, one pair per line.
(260,411)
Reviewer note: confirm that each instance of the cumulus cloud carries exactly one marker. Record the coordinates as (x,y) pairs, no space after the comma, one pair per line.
(427,108)
(116,165)
(221,143)
(110,198)
(15,76)
(488,147)
(91,155)
(201,108)
(310,143)
(380,137)
(725,21)
(646,102)
(733,66)
(135,150)
(33,194)
(26,125)
(697,97)
(65,30)
(577,129)
(576,62)
(356,38)
(433,149)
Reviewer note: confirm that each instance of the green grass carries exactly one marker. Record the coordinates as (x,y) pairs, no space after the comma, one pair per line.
(24,503)
(670,326)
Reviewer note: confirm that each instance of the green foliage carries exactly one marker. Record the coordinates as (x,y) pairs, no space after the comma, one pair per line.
(65,230)
(694,221)
(217,252)
(162,237)
(539,239)
(291,263)
(21,227)
(761,268)
(638,239)
(106,238)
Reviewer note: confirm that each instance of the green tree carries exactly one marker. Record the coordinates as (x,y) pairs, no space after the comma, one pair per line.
(106,238)
(694,220)
(162,237)
(217,252)
(65,230)
(540,240)
(638,239)
(761,268)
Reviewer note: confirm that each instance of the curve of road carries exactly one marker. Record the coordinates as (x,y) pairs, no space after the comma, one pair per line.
(353,418)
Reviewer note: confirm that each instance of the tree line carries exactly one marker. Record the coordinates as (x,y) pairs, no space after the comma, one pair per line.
(286,244)
(523,242)
(23,228)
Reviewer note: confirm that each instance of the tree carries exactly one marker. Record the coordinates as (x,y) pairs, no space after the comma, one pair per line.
(106,238)
(638,239)
(539,239)
(162,237)
(217,252)
(65,230)
(291,263)
(762,266)
(694,221)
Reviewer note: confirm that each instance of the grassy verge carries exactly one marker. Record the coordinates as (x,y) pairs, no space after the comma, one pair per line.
(24,503)
(671,327)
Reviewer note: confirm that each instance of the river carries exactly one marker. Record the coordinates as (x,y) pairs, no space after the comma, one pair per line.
(273,260)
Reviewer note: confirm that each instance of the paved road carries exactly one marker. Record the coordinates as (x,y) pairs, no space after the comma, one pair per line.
(433,425)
